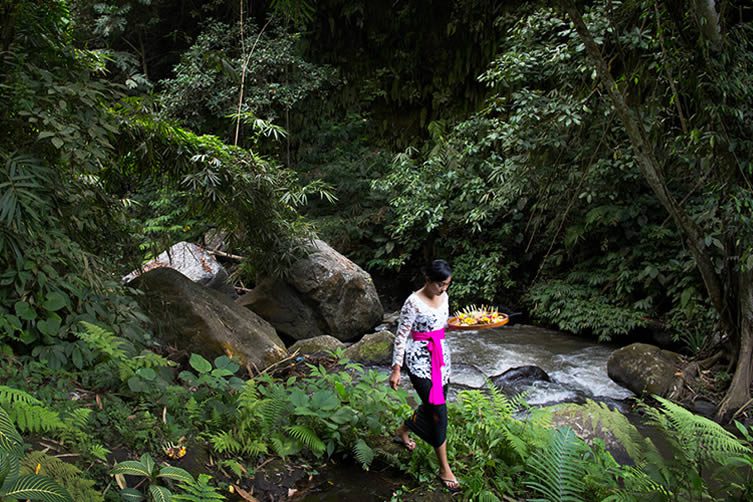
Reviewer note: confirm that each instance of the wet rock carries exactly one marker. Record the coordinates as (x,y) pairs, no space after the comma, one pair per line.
(704,408)
(522,376)
(467,376)
(277,480)
(192,261)
(316,345)
(201,320)
(644,368)
(375,348)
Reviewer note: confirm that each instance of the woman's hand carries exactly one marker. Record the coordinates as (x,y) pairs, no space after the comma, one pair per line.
(395,377)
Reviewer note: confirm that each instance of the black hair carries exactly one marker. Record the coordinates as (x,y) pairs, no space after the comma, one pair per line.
(437,271)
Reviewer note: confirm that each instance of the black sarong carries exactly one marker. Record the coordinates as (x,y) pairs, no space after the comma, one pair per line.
(429,421)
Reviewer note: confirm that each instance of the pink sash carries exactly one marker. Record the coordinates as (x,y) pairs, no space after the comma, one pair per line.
(436,396)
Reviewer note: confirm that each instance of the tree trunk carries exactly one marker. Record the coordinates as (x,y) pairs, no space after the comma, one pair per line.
(738,393)
(708,21)
(652,173)
(736,316)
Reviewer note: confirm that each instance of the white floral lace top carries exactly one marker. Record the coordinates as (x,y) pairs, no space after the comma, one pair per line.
(418,316)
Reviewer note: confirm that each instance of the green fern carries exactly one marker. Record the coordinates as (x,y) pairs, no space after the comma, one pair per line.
(225,442)
(13,486)
(697,439)
(308,437)
(556,471)
(272,409)
(11,396)
(284,446)
(363,453)
(67,475)
(198,491)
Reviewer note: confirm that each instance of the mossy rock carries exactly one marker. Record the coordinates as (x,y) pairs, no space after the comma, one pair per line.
(318,344)
(375,348)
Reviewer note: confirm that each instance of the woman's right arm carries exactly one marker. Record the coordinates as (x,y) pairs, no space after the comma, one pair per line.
(407,316)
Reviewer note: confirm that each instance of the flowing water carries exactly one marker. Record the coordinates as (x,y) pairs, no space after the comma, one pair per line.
(577,367)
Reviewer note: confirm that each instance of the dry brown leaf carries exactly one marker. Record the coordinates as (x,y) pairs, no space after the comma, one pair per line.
(244,494)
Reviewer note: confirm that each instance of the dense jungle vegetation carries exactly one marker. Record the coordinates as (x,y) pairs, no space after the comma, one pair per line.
(587,162)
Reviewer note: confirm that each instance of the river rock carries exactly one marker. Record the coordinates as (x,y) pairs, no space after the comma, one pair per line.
(334,296)
(193,262)
(522,376)
(644,368)
(202,320)
(324,343)
(592,421)
(375,348)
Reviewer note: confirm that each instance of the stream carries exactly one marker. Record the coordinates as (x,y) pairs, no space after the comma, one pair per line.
(576,366)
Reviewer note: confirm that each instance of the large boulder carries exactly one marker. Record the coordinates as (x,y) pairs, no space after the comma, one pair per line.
(375,348)
(202,320)
(644,368)
(591,421)
(318,344)
(193,262)
(325,293)
(284,308)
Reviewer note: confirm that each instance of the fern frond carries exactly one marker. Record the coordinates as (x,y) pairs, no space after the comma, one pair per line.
(199,491)
(67,475)
(271,410)
(149,359)
(701,439)
(104,341)
(556,472)
(501,404)
(308,437)
(363,453)
(225,442)
(34,418)
(284,446)
(11,396)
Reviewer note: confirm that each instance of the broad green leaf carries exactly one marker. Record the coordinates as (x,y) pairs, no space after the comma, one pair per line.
(131,495)
(10,439)
(25,311)
(200,364)
(55,301)
(221,372)
(325,400)
(147,373)
(175,473)
(160,493)
(148,462)
(136,384)
(50,326)
(131,468)
(38,488)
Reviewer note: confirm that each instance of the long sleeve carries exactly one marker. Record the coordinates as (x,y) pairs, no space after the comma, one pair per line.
(407,316)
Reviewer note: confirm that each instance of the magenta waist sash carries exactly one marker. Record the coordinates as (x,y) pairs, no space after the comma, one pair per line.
(436,396)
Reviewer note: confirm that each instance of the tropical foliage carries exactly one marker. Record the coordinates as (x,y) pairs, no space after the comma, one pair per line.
(596,174)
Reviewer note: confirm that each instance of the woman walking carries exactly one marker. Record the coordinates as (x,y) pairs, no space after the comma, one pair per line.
(420,344)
